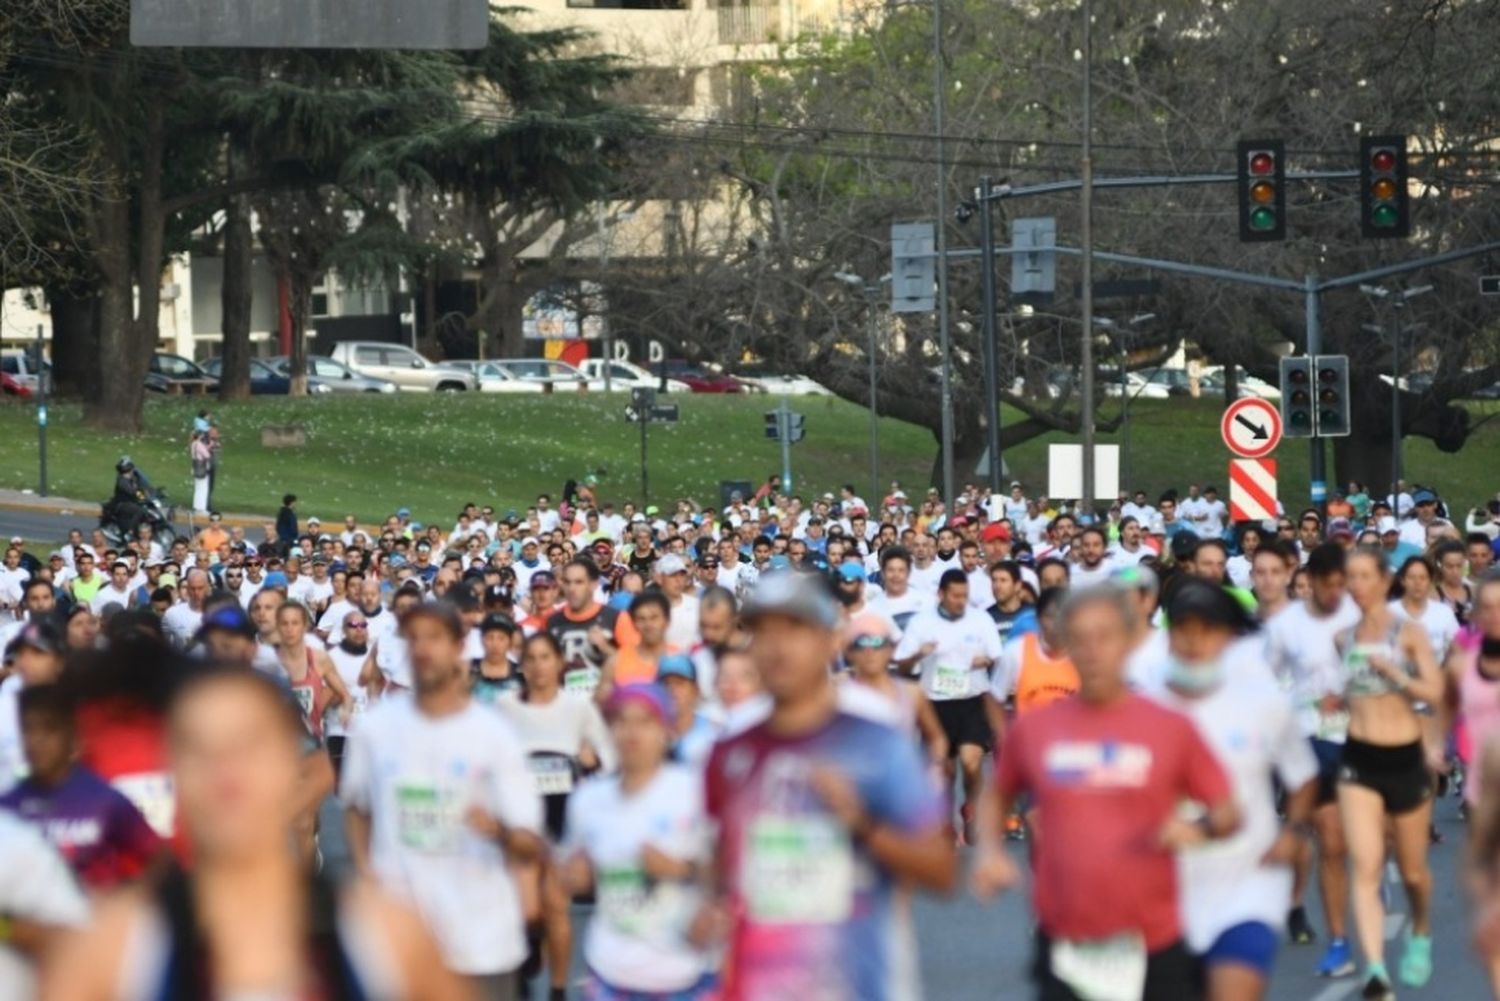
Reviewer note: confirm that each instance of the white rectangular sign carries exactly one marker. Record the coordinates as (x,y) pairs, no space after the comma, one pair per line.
(1065,472)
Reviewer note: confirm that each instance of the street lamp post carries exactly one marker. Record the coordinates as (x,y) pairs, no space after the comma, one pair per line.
(939,101)
(871,293)
(1398,301)
(1086,234)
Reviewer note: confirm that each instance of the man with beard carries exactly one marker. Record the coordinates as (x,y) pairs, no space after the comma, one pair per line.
(351,658)
(1091,567)
(1129,549)
(587,630)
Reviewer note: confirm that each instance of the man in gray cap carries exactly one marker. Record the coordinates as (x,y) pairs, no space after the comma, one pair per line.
(821,813)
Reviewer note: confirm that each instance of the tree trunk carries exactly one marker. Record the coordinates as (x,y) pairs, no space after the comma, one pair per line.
(235,301)
(1365,457)
(111,407)
(301,299)
(75,342)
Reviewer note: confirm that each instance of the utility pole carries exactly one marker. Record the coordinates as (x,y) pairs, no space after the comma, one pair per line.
(609,352)
(940,97)
(1316,473)
(991,345)
(645,486)
(784,427)
(1086,234)
(41,413)
(1398,302)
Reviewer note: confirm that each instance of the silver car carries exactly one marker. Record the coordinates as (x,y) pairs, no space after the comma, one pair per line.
(492,378)
(338,377)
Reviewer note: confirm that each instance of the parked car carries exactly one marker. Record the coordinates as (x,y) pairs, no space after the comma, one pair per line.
(628,375)
(1137,386)
(701,379)
(265,380)
(1249,384)
(545,371)
(401,365)
(494,379)
(11,386)
(175,374)
(21,368)
(760,380)
(338,377)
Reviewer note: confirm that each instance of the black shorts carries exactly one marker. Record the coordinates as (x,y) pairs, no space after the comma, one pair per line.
(1172,974)
(1398,774)
(963,722)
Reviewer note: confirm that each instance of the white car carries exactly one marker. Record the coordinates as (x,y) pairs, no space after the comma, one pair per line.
(546,371)
(778,384)
(1249,384)
(492,378)
(1138,386)
(626,375)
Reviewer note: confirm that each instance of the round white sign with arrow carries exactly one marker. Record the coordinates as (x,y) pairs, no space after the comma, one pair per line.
(1251,427)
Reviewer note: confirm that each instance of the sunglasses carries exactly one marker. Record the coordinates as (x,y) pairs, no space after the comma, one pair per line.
(356,625)
(870,641)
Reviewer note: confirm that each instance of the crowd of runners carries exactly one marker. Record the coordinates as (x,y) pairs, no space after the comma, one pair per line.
(724,746)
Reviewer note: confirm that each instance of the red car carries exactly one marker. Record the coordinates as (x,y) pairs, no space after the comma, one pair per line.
(11,386)
(702,380)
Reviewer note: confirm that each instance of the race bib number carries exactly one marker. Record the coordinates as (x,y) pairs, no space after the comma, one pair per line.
(1333,726)
(798,870)
(428,818)
(950,681)
(1112,969)
(305,695)
(582,680)
(624,896)
(553,775)
(152,794)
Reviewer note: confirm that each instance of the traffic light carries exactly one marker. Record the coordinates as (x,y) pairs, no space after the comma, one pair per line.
(1385,212)
(773,425)
(1297,397)
(796,427)
(1333,395)
(913,267)
(1261,172)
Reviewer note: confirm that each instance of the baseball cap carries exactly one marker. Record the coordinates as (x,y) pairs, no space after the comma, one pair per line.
(1388,525)
(795,595)
(530,540)
(543,578)
(1137,576)
(708,561)
(37,636)
(602,546)
(669,564)
(995,532)
(1340,527)
(170,580)
(498,621)
(851,570)
(315,520)
(1195,598)
(869,624)
(403,512)
(275,579)
(499,594)
(651,695)
(228,619)
(1423,496)
(676,665)
(16,540)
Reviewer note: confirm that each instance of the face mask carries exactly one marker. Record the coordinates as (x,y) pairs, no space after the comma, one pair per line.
(1195,679)
(1489,649)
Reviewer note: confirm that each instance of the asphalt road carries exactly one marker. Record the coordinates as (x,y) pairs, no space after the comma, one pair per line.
(981,952)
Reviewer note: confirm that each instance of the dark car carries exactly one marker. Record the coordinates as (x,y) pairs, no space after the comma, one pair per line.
(175,374)
(701,379)
(264,380)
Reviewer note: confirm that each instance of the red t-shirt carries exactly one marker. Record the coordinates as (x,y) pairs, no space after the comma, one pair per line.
(1104,780)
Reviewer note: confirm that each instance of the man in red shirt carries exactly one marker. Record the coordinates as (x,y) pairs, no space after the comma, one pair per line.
(1106,772)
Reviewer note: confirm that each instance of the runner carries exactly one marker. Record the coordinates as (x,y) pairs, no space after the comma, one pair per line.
(1107,772)
(437,806)
(1413,601)
(869,649)
(820,815)
(1388,666)
(638,840)
(1304,657)
(1012,616)
(898,601)
(350,658)
(315,682)
(1034,670)
(235,748)
(651,614)
(957,647)
(563,737)
(1236,892)
(587,631)
(496,673)
(693,731)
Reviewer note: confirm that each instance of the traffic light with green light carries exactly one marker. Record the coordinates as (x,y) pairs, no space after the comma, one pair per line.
(1297,397)
(1261,172)
(1384,201)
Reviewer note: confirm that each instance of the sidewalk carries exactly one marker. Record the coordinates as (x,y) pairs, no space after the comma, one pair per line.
(27,500)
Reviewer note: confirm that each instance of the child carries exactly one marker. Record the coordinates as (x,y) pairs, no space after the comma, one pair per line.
(96,829)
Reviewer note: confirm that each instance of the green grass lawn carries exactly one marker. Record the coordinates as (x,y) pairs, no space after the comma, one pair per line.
(369,455)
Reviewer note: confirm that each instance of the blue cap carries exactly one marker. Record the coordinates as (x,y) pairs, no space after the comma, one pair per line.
(620,601)
(652,696)
(274,579)
(780,562)
(676,665)
(850,570)
(1424,496)
(403,512)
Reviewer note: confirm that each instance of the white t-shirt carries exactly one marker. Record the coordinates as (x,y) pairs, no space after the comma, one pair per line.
(1250,725)
(682,627)
(1238,568)
(899,609)
(981,591)
(561,726)
(1437,621)
(35,885)
(1146,665)
(637,938)
(109,596)
(316,593)
(1080,576)
(348,666)
(181,623)
(925,581)
(12,755)
(393,660)
(1302,655)
(300,590)
(949,672)
(1194,511)
(1035,529)
(1215,514)
(416,777)
(332,619)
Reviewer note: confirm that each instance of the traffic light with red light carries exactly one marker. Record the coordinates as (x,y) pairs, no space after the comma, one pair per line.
(1384,204)
(1297,405)
(1261,171)
(1333,418)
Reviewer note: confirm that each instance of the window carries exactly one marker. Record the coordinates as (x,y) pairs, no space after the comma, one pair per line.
(621,372)
(10,365)
(369,356)
(175,367)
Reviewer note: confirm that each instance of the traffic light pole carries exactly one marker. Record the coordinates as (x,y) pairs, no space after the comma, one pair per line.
(1317,474)
(991,344)
(645,486)
(784,432)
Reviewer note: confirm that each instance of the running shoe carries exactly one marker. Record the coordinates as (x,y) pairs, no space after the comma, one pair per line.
(1377,988)
(1416,962)
(1298,929)
(1337,961)
(1014,829)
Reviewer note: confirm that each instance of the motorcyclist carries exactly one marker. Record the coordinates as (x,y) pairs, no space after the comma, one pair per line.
(128,502)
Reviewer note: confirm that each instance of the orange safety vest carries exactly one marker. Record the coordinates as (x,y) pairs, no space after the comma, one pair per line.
(1042,680)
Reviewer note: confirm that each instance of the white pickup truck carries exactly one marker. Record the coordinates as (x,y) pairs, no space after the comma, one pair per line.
(626,375)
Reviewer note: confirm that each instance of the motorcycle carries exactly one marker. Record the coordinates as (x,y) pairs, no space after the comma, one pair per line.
(159,515)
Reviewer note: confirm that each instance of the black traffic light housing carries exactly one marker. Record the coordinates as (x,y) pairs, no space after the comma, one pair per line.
(773,425)
(1332,378)
(1384,198)
(1261,173)
(1297,399)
